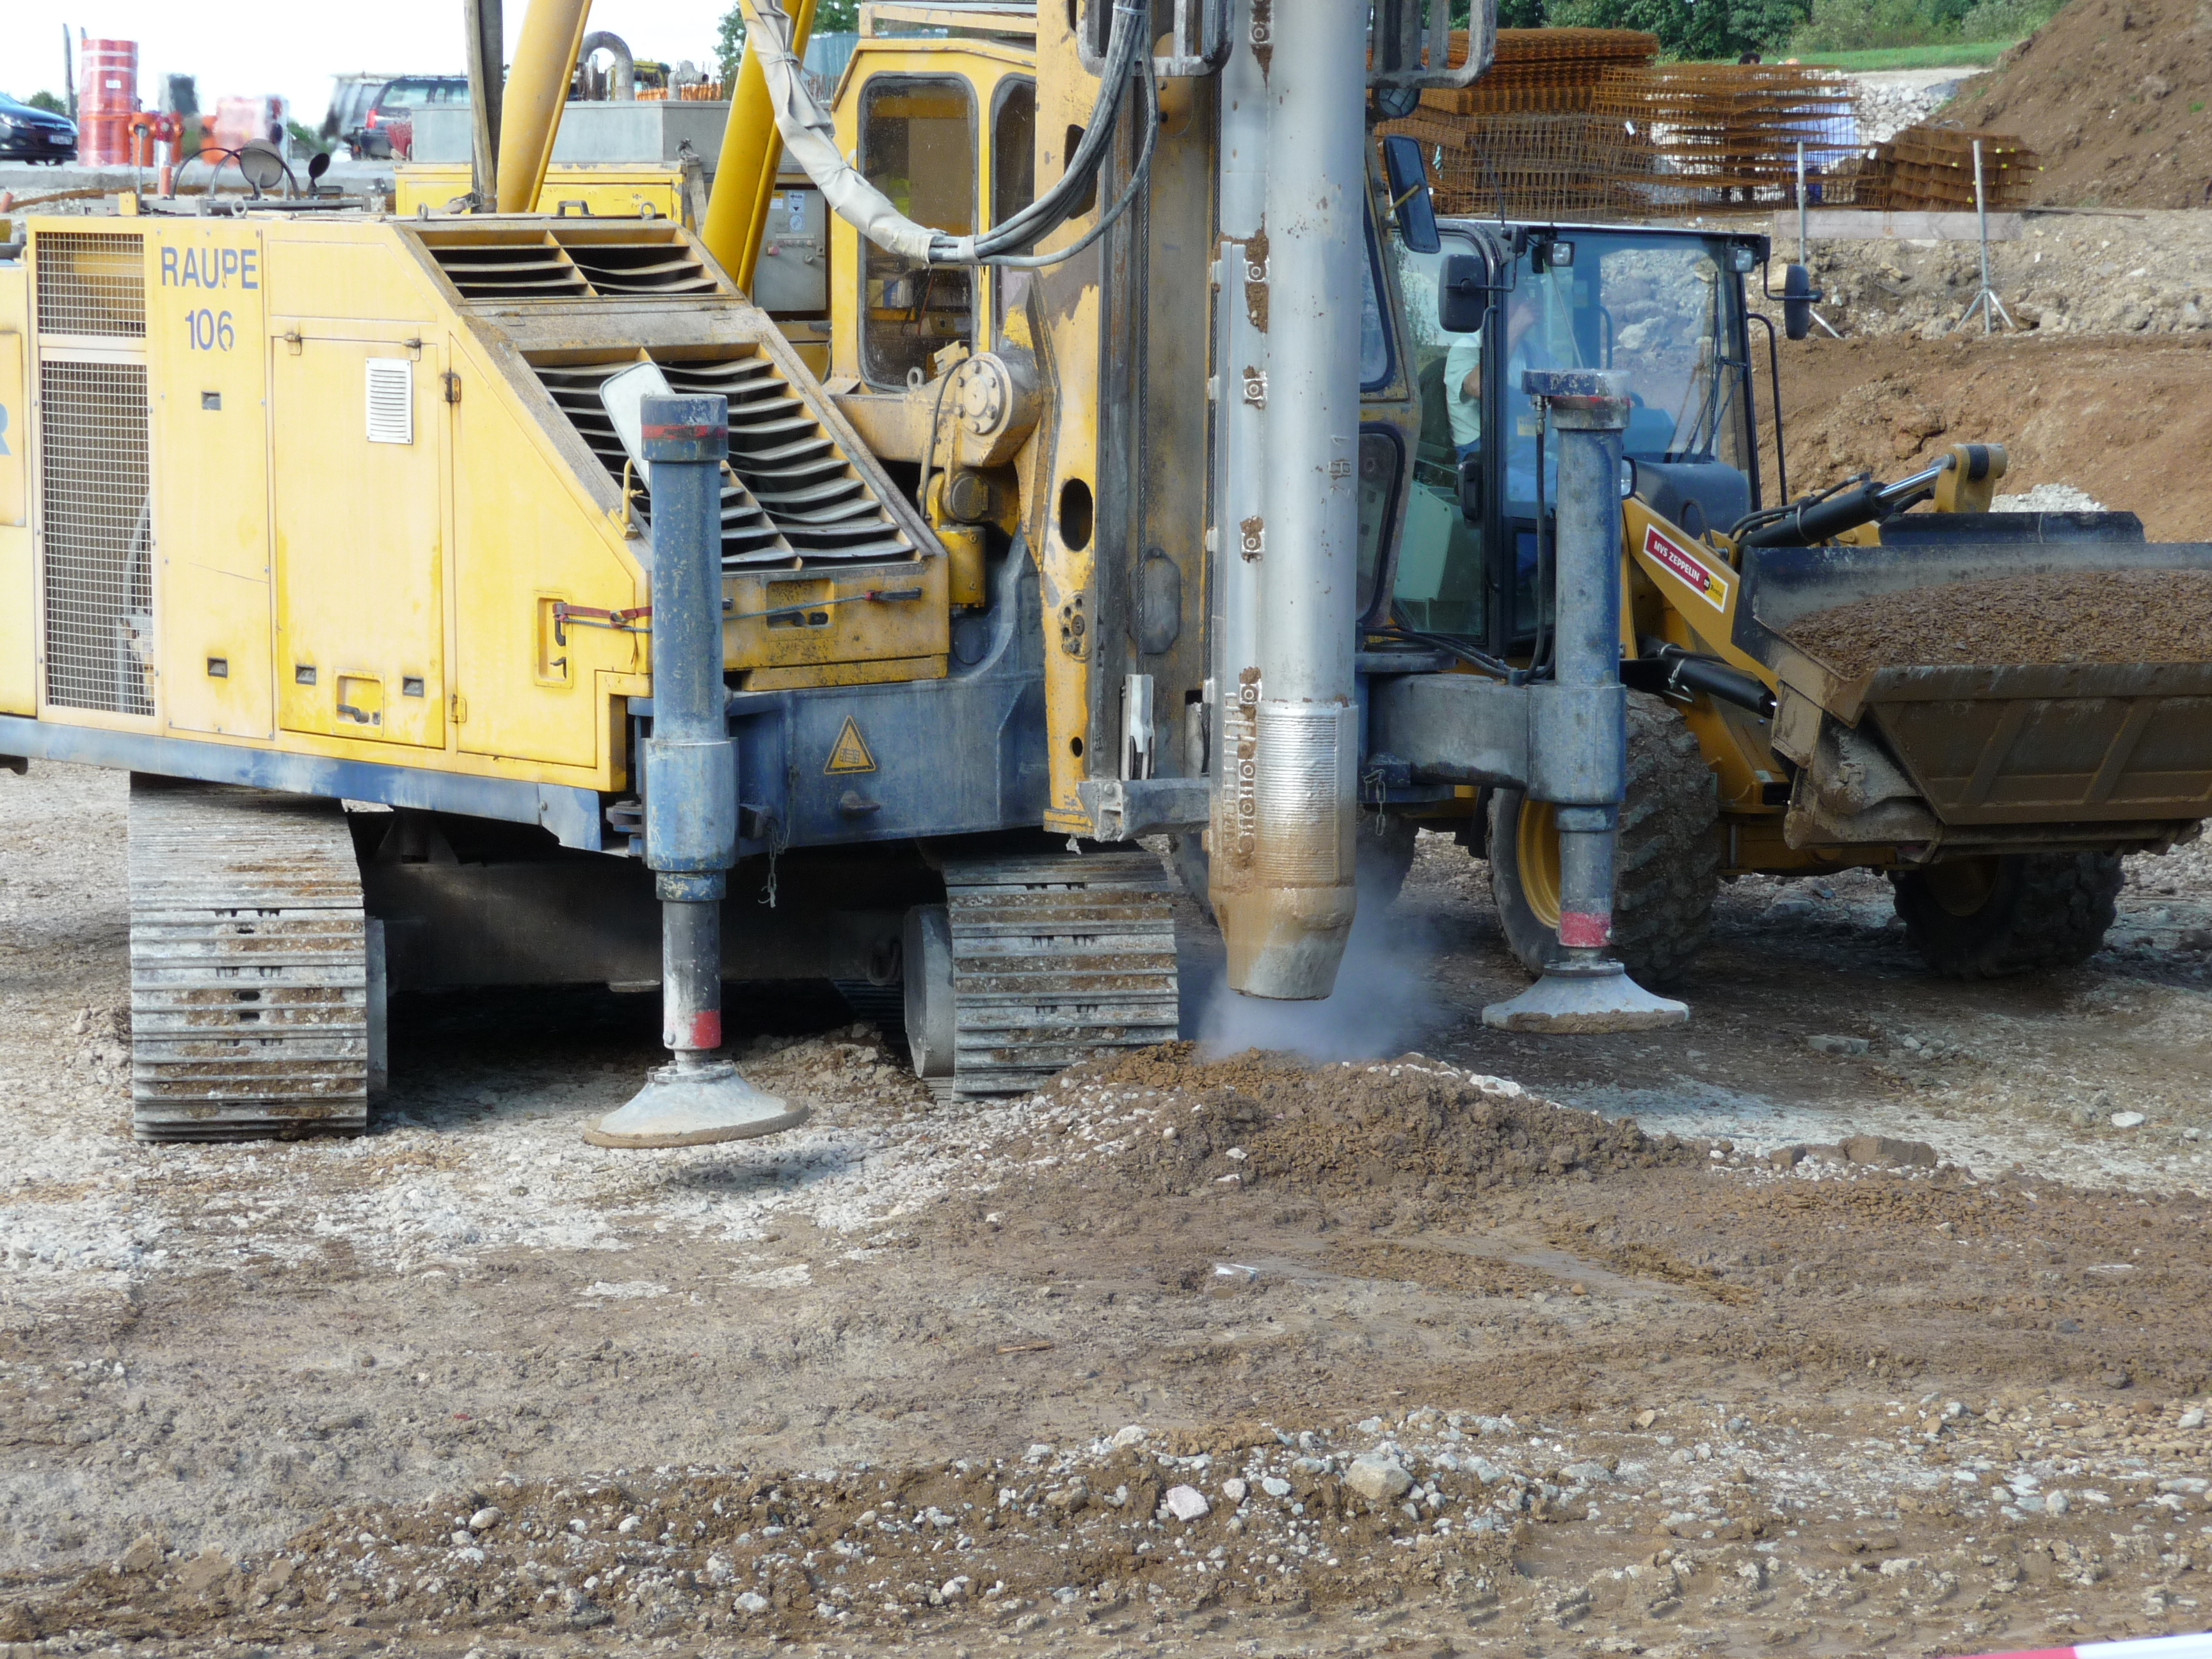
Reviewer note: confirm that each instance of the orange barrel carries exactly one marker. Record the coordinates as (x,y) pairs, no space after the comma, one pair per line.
(106,99)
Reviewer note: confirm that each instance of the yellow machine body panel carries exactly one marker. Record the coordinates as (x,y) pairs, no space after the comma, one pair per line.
(207,366)
(357,444)
(19,692)
(542,548)
(330,485)
(960,132)
(600,191)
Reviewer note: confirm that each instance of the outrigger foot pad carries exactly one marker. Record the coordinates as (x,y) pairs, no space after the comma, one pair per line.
(695,1106)
(1570,1005)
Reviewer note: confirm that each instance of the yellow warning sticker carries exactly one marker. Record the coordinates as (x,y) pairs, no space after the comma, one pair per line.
(851,753)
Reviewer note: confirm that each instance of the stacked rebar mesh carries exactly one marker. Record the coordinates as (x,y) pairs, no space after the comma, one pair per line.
(1584,125)
(1523,142)
(1722,138)
(1931,169)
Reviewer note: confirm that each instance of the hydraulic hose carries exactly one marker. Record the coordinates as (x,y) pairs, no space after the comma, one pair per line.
(809,136)
(1821,521)
(1138,176)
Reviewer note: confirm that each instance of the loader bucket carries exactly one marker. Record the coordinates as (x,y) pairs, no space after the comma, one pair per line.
(2029,734)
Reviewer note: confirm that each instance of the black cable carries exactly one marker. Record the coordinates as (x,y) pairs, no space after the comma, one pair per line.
(1445,642)
(929,454)
(1138,177)
(1056,205)
(1041,217)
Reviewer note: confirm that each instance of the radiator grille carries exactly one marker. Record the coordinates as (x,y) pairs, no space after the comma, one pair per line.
(97,535)
(92,283)
(790,494)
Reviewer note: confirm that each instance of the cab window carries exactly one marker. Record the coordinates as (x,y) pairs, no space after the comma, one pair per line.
(1374,337)
(1442,583)
(918,147)
(1014,181)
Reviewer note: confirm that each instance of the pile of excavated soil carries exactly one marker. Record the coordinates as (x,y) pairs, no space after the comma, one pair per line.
(2101,617)
(1343,1131)
(2112,95)
(2119,419)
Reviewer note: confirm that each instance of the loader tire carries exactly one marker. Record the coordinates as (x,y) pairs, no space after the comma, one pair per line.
(1385,853)
(1666,862)
(2010,913)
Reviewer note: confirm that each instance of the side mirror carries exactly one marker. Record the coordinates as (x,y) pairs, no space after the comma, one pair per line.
(1470,488)
(1462,295)
(318,165)
(1797,298)
(1408,179)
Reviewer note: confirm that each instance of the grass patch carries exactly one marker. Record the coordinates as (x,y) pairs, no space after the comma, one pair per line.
(1956,54)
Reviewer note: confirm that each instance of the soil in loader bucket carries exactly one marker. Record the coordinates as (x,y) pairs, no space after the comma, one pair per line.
(2080,617)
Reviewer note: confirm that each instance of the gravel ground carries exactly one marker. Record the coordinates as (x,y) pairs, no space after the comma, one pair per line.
(1190,1354)
(1892,99)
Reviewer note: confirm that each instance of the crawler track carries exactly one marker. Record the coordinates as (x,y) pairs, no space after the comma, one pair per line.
(249,965)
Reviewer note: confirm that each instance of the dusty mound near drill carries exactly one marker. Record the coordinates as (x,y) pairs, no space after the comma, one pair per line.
(2090,616)
(2109,93)
(1411,1126)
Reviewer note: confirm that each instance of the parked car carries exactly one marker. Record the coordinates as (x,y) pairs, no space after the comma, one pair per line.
(388,129)
(34,134)
(353,94)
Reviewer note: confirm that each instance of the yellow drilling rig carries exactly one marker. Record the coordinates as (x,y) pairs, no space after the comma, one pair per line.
(486,596)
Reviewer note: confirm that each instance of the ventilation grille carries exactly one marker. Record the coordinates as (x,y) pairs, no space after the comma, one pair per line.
(790,495)
(571,265)
(620,268)
(92,284)
(537,270)
(97,535)
(391,400)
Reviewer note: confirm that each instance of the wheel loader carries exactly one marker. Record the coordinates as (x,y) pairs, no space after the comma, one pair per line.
(482,597)
(1998,792)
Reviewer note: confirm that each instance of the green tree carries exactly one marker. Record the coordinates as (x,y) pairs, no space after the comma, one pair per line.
(48,102)
(1695,29)
(830,17)
(306,141)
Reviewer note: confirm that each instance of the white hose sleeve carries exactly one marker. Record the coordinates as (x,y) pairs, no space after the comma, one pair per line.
(812,139)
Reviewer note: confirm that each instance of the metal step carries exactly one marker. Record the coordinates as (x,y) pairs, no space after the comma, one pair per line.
(1057,958)
(250,971)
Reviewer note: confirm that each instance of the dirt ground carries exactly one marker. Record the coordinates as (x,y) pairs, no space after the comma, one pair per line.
(2111,94)
(1283,1355)
(2117,418)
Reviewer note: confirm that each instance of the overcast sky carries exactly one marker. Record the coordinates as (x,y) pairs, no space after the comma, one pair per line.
(295,50)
